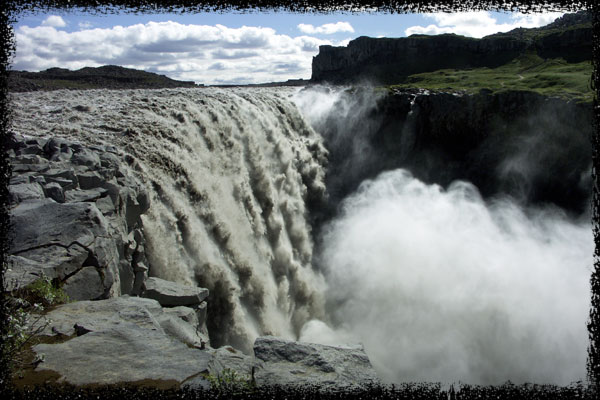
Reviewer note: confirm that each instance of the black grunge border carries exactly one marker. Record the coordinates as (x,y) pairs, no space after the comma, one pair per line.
(10,10)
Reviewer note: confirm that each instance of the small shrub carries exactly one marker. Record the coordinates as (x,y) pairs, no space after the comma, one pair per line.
(22,327)
(228,381)
(43,291)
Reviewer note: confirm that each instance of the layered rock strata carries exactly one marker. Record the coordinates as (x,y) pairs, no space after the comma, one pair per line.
(390,60)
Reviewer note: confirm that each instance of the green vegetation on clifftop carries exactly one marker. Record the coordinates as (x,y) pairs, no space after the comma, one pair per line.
(529,72)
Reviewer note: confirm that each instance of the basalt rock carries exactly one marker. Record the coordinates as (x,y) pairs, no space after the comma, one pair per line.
(481,138)
(171,294)
(71,215)
(391,60)
(296,363)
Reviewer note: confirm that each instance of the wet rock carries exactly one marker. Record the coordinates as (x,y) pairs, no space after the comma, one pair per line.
(55,192)
(109,160)
(55,145)
(24,168)
(295,363)
(32,149)
(105,205)
(172,294)
(38,179)
(15,180)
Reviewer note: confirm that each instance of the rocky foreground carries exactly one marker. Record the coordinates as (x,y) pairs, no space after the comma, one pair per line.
(76,214)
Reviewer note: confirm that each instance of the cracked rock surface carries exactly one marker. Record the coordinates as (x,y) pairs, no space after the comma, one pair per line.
(75,211)
(128,339)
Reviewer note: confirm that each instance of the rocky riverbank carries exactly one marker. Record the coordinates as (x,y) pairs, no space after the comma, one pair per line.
(76,212)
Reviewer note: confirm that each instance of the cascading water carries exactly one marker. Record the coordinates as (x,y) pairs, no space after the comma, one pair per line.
(229,173)
(439,284)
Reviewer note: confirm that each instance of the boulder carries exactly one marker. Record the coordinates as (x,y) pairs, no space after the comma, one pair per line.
(227,357)
(181,330)
(91,316)
(55,192)
(22,271)
(296,363)
(170,294)
(125,340)
(85,284)
(37,221)
(64,176)
(25,191)
(89,180)
(86,157)
(122,354)
(83,240)
(75,196)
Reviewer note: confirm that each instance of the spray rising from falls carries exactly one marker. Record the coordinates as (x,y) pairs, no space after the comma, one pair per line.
(438,283)
(229,173)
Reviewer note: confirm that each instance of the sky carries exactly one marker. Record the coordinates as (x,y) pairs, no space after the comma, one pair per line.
(228,48)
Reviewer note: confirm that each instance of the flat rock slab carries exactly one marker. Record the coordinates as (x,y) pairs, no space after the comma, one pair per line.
(38,222)
(296,363)
(103,314)
(122,354)
(74,196)
(171,294)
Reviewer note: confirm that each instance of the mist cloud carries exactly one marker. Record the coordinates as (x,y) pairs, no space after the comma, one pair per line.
(440,286)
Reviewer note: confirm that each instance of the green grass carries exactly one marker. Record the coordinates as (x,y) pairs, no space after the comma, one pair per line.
(529,72)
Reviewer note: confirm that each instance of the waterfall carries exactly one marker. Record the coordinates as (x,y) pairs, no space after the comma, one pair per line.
(229,173)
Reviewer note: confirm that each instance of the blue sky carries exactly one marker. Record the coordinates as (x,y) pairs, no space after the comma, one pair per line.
(214,48)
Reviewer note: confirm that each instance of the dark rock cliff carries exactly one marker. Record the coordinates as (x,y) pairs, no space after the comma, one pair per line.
(391,60)
(521,144)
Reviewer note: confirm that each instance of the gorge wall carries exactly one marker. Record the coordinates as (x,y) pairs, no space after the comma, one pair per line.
(533,148)
(391,60)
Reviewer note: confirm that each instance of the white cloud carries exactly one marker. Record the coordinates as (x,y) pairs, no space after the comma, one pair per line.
(55,21)
(85,25)
(326,29)
(479,23)
(202,53)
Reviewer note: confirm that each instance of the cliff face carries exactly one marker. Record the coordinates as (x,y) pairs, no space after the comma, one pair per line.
(390,60)
(533,148)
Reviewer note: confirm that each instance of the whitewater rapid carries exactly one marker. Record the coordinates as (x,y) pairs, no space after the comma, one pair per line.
(437,283)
